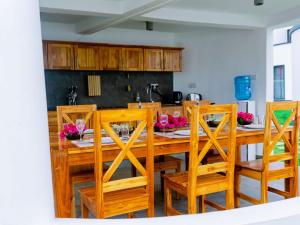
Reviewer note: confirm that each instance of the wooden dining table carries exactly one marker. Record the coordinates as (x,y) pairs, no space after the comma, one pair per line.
(66,155)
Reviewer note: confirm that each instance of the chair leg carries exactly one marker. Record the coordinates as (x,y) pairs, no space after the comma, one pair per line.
(230,198)
(202,205)
(264,189)
(162,182)
(130,215)
(84,211)
(237,183)
(167,198)
(187,161)
(292,187)
(178,170)
(192,205)
(73,202)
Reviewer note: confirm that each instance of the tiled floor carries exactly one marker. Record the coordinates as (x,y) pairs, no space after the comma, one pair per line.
(248,186)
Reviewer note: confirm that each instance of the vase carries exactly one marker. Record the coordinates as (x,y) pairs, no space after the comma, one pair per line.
(73,136)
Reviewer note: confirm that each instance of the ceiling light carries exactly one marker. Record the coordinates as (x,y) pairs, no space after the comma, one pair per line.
(258,2)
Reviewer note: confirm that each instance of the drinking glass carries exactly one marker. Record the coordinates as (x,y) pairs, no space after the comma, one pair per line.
(163,119)
(176,114)
(125,131)
(80,125)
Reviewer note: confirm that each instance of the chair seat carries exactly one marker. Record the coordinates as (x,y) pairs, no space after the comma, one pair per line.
(257,165)
(116,202)
(206,184)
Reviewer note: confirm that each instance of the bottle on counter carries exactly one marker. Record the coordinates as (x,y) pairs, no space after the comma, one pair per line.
(138,98)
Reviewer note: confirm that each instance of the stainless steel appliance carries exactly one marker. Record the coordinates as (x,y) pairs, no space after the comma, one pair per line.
(194,97)
(177,97)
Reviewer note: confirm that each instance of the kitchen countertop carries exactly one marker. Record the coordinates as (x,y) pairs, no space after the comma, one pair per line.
(122,107)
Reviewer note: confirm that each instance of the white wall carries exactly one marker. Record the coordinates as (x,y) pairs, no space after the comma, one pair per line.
(213,57)
(280,35)
(67,32)
(295,46)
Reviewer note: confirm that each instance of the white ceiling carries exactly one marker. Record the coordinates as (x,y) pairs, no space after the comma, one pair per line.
(95,15)
(237,6)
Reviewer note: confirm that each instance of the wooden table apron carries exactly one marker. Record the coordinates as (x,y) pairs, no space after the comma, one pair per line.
(65,155)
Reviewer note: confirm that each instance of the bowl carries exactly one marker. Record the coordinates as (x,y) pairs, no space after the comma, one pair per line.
(213,123)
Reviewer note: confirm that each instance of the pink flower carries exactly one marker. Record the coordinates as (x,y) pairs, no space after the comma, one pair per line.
(243,117)
(172,122)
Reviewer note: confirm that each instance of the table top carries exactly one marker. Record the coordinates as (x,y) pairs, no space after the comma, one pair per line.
(57,144)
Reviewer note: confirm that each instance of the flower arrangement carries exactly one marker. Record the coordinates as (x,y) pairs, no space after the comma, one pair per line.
(70,132)
(244,118)
(173,122)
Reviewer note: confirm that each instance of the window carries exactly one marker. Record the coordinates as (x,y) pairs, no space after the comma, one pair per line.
(279,83)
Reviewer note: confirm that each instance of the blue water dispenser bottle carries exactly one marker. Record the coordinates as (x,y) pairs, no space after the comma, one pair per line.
(242,86)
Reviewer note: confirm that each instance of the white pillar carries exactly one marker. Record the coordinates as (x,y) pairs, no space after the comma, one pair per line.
(295,48)
(26,186)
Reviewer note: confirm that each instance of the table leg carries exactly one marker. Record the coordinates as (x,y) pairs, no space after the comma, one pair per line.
(61,184)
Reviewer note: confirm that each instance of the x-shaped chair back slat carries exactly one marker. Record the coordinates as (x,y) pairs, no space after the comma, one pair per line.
(154,106)
(103,120)
(223,136)
(271,139)
(187,106)
(69,114)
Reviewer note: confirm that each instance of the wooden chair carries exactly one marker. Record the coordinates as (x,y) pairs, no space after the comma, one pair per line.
(161,163)
(121,196)
(187,110)
(69,114)
(200,179)
(269,167)
(155,106)
(187,106)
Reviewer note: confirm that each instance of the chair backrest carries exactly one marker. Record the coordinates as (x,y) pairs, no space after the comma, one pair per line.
(187,106)
(223,138)
(155,106)
(275,132)
(69,114)
(103,120)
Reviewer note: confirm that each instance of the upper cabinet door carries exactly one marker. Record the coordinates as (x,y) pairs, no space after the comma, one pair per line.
(153,60)
(110,58)
(86,57)
(172,60)
(60,56)
(132,59)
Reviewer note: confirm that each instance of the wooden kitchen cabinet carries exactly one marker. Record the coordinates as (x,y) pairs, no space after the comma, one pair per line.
(45,55)
(172,60)
(86,57)
(132,59)
(153,60)
(60,56)
(109,57)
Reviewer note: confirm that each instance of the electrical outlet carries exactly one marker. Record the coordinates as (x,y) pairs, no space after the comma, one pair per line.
(192,85)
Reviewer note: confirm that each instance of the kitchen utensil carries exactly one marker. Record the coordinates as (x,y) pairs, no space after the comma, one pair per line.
(177,97)
(194,97)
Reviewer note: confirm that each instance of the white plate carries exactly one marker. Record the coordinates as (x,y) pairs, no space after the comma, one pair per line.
(254,126)
(185,132)
(89,131)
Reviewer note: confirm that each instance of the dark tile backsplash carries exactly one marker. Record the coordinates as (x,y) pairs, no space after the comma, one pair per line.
(113,87)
